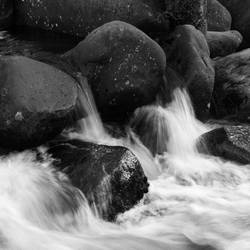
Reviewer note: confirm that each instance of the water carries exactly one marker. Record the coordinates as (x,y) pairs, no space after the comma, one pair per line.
(195,202)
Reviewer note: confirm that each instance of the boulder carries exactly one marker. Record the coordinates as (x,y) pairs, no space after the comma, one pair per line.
(37,101)
(231,142)
(110,177)
(6,13)
(80,17)
(125,67)
(231,95)
(239,10)
(192,12)
(223,43)
(188,54)
(218,17)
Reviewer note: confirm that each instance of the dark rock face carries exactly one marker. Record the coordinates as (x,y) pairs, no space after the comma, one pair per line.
(231,96)
(125,67)
(110,177)
(36,102)
(223,43)
(81,17)
(229,142)
(6,13)
(239,10)
(188,54)
(192,12)
(218,17)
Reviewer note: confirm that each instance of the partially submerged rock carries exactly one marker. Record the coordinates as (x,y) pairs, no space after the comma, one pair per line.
(37,101)
(111,177)
(125,67)
(231,142)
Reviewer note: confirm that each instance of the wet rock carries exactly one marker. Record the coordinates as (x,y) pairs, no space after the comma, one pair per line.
(223,43)
(110,177)
(239,10)
(231,96)
(231,142)
(192,12)
(188,54)
(81,17)
(36,102)
(6,13)
(218,17)
(125,67)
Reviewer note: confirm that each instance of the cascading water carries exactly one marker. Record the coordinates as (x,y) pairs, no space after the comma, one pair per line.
(194,202)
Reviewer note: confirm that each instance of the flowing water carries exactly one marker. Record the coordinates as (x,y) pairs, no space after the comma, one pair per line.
(194,201)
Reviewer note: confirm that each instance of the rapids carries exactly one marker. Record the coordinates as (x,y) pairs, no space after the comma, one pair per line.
(194,202)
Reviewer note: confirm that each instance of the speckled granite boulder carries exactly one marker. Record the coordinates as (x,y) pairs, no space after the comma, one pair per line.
(110,177)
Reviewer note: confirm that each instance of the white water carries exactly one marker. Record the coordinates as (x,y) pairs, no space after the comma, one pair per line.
(193,201)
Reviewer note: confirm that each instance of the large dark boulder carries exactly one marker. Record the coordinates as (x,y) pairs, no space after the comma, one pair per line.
(188,54)
(111,178)
(125,67)
(37,101)
(223,43)
(218,17)
(231,96)
(6,13)
(192,12)
(231,142)
(79,17)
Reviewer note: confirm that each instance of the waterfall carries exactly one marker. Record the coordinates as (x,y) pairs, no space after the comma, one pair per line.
(195,202)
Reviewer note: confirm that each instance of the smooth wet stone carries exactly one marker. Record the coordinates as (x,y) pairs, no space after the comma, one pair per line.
(218,17)
(80,17)
(111,177)
(223,43)
(231,142)
(37,101)
(6,14)
(124,66)
(231,96)
(190,65)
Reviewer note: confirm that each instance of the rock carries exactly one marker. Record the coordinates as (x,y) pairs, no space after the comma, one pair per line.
(37,101)
(231,96)
(78,18)
(192,12)
(109,176)
(218,17)
(125,67)
(6,13)
(231,142)
(223,43)
(239,10)
(149,123)
(188,54)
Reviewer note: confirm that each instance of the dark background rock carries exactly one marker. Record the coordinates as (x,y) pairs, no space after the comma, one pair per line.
(110,177)
(188,54)
(231,96)
(6,14)
(81,17)
(223,43)
(231,142)
(218,17)
(37,101)
(125,67)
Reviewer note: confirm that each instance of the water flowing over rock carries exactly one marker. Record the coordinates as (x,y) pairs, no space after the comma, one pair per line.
(6,13)
(231,142)
(192,12)
(81,17)
(37,101)
(188,54)
(232,87)
(123,64)
(218,17)
(110,177)
(223,43)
